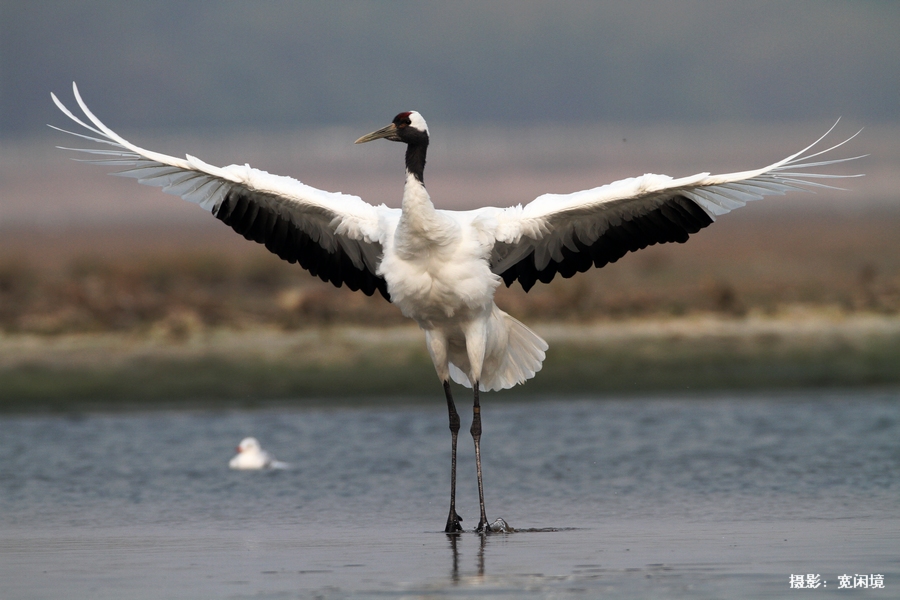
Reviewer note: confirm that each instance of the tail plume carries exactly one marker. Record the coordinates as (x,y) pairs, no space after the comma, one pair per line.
(518,361)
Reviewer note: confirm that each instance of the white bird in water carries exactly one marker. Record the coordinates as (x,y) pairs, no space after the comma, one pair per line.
(442,267)
(251,456)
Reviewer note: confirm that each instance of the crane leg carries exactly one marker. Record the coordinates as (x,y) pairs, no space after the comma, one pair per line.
(453,519)
(476,435)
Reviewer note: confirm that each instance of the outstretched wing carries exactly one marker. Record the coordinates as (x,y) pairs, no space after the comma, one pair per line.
(571,233)
(335,236)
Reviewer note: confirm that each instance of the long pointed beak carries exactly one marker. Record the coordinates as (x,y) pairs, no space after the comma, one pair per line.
(389,132)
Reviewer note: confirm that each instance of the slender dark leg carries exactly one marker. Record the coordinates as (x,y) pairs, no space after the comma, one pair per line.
(453,519)
(476,435)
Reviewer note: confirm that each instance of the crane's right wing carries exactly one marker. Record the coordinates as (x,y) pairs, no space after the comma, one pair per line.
(335,236)
(571,233)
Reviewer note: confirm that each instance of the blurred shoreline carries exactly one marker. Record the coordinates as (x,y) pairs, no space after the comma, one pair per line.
(221,367)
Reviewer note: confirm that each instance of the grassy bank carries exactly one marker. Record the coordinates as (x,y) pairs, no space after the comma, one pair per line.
(353,364)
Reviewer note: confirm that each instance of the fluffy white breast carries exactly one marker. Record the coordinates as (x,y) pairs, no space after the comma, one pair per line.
(439,270)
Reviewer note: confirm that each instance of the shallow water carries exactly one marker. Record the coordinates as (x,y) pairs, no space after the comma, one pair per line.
(724,497)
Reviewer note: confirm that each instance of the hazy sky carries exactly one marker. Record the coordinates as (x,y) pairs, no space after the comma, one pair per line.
(185,65)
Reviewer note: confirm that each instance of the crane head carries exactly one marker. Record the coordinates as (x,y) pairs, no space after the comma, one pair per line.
(408,127)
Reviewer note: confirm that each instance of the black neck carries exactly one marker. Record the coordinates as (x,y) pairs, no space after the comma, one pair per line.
(415,159)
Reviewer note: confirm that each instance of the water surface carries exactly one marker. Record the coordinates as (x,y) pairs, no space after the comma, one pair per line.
(722,497)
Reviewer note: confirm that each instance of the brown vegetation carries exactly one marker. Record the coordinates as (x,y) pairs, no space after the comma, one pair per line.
(182,280)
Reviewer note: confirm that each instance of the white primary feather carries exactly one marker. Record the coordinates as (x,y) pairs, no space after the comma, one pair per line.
(331,219)
(552,221)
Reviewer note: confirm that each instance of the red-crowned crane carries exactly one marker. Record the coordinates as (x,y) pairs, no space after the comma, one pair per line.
(442,267)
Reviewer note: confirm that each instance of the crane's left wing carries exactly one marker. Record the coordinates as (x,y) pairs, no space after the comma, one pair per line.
(335,236)
(570,233)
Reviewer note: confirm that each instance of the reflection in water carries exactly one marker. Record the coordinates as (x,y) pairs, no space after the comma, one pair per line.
(481,545)
(454,572)
(454,549)
(454,538)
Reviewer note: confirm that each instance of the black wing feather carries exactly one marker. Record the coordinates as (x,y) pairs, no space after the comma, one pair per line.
(673,221)
(260,224)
